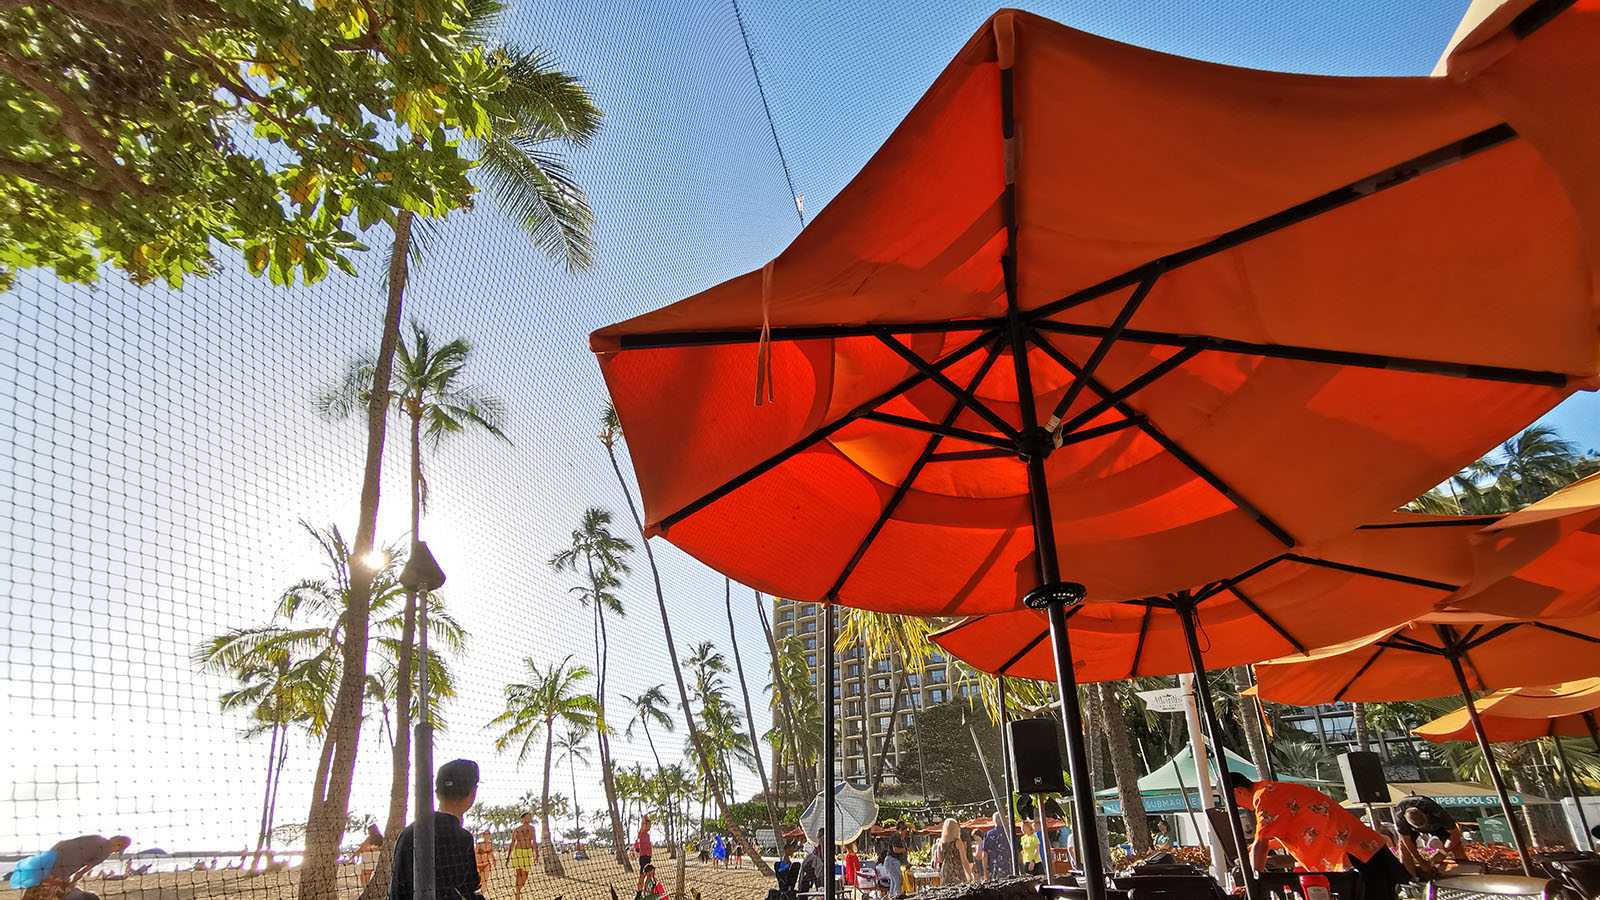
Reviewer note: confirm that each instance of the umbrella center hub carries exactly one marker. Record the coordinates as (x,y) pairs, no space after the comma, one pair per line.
(1035,443)
(1063,593)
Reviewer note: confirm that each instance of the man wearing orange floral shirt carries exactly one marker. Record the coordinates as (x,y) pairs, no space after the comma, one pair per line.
(1321,835)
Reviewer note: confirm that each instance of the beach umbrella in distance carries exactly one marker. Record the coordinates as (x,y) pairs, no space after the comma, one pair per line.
(854,811)
(1541,561)
(1436,655)
(1100,321)
(1523,714)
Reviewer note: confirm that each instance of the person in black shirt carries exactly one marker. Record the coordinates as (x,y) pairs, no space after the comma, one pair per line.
(455,865)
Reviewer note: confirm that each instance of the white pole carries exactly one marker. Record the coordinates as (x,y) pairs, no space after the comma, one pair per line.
(1202,773)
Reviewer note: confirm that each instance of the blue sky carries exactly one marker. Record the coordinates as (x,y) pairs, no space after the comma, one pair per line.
(160,447)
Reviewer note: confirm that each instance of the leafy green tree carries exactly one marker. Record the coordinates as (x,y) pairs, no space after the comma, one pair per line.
(142,141)
(803,717)
(430,396)
(532,710)
(601,558)
(753,739)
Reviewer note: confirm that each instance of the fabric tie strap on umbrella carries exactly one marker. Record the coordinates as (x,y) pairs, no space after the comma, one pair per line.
(1100,321)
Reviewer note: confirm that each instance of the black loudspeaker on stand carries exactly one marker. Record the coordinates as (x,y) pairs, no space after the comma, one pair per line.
(1036,756)
(1364,781)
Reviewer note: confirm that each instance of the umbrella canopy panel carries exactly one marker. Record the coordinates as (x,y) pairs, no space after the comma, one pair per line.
(854,811)
(1543,560)
(1232,282)
(1521,714)
(1412,661)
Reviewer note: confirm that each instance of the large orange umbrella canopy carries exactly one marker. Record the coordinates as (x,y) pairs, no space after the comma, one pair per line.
(1266,281)
(1543,560)
(1410,661)
(1522,714)
(1375,577)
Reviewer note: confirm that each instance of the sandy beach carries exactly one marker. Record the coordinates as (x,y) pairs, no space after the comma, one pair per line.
(589,879)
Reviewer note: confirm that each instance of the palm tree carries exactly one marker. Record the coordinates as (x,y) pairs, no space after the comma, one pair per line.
(791,675)
(649,706)
(601,557)
(427,391)
(783,711)
(610,432)
(532,709)
(309,638)
(1124,771)
(749,713)
(572,749)
(1520,471)
(544,111)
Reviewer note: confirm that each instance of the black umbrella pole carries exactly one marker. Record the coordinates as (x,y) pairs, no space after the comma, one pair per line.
(829,754)
(1005,768)
(1572,791)
(1214,731)
(1083,819)
(1494,767)
(424,873)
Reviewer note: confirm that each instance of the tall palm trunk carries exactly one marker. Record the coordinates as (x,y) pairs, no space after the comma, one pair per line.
(330,795)
(803,780)
(602,652)
(894,714)
(1359,723)
(577,814)
(266,797)
(1254,735)
(695,737)
(750,717)
(400,746)
(547,850)
(1124,769)
(277,779)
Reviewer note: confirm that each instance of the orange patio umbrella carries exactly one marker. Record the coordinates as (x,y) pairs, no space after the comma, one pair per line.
(1543,560)
(1524,714)
(1382,574)
(1098,313)
(1440,654)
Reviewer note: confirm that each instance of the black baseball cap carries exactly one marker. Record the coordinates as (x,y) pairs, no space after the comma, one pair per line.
(457,778)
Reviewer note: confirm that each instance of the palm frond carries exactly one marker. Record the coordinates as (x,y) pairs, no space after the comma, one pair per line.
(535,189)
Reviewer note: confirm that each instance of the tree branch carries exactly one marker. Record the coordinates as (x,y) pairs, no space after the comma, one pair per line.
(45,178)
(74,122)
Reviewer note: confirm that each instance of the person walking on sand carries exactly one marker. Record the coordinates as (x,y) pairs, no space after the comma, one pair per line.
(951,855)
(72,860)
(719,853)
(484,853)
(521,853)
(367,853)
(641,846)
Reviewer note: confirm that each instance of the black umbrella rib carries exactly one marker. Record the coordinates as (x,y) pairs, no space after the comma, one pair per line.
(1089,434)
(1393,176)
(1375,573)
(1271,622)
(1167,444)
(1473,640)
(1536,16)
(1401,642)
(1359,672)
(1247,574)
(673,339)
(1133,387)
(821,433)
(1037,639)
(1448,522)
(1138,648)
(1569,633)
(970,455)
(1314,354)
(949,431)
(963,396)
(1101,348)
(911,476)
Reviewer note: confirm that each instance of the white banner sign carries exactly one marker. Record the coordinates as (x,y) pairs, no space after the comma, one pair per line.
(1168,700)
